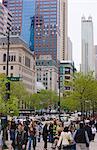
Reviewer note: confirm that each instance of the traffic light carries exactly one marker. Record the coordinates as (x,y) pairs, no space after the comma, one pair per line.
(7,94)
(7,86)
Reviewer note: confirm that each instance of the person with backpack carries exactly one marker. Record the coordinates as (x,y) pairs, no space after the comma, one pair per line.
(65,140)
(89,130)
(81,138)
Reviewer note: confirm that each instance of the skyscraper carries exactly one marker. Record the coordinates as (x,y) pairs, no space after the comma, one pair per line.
(96,61)
(5,19)
(27,13)
(22,11)
(69,56)
(88,61)
(47,28)
(15,6)
(64,29)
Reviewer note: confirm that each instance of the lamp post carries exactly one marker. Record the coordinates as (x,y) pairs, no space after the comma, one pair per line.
(59,94)
(7,66)
(59,99)
(7,96)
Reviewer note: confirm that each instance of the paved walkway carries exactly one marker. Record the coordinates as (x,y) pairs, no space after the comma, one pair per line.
(93,145)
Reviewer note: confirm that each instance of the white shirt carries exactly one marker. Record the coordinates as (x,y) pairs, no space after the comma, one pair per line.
(65,137)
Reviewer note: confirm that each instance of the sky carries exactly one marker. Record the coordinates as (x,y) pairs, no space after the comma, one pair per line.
(76,9)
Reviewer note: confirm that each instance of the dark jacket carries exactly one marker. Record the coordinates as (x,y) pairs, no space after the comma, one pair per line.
(89,131)
(21,138)
(45,133)
(80,136)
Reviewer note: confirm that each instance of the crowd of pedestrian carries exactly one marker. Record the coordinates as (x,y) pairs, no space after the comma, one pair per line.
(26,134)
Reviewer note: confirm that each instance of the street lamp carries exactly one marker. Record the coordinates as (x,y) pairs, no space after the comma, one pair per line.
(59,94)
(7,96)
(7,69)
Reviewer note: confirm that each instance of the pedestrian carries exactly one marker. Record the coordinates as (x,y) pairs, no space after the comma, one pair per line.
(45,135)
(88,129)
(12,130)
(65,140)
(32,136)
(39,128)
(21,138)
(81,138)
(1,142)
(93,132)
(51,138)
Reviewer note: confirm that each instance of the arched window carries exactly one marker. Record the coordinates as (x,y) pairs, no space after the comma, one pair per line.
(4,57)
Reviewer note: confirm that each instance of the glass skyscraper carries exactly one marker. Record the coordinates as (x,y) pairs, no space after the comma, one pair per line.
(47,28)
(27,13)
(22,12)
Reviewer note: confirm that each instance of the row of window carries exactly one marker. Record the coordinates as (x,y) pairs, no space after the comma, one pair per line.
(11,58)
(4,67)
(46,2)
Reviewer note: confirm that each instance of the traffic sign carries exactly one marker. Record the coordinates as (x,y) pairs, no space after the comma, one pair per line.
(13,78)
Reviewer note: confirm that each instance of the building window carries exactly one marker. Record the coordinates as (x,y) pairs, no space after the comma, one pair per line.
(11,67)
(14,58)
(4,57)
(11,58)
(67,77)
(11,74)
(27,61)
(20,59)
(4,67)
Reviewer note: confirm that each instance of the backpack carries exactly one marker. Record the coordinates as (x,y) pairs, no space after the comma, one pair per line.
(80,136)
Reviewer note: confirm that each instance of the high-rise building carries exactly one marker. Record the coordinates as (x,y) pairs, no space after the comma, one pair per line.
(88,60)
(23,11)
(96,61)
(5,20)
(31,43)
(15,6)
(69,56)
(63,29)
(47,28)
(27,13)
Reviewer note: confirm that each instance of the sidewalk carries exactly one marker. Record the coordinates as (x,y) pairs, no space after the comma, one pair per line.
(93,145)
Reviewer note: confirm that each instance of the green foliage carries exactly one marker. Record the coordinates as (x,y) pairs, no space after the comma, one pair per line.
(19,91)
(84,90)
(7,106)
(43,99)
(18,96)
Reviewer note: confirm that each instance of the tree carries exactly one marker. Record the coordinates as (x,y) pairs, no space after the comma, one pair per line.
(44,98)
(19,91)
(10,106)
(84,90)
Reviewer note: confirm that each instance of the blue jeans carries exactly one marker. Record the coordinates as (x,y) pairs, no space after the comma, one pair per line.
(12,134)
(30,140)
